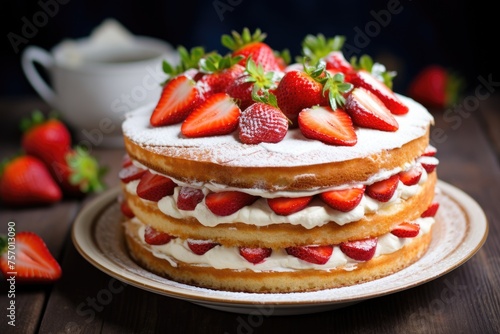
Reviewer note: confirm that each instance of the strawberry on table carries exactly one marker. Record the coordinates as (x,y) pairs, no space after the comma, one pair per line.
(406,230)
(255,255)
(343,200)
(312,254)
(285,206)
(154,237)
(200,247)
(154,187)
(225,203)
(360,250)
(383,190)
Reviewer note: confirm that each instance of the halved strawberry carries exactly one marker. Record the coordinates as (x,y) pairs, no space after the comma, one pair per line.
(285,206)
(226,203)
(218,115)
(262,123)
(406,230)
(330,127)
(383,190)
(131,173)
(154,187)
(154,237)
(126,210)
(429,151)
(189,198)
(312,254)
(359,250)
(178,98)
(431,210)
(126,160)
(345,199)
(411,176)
(200,247)
(429,163)
(368,111)
(255,255)
(366,80)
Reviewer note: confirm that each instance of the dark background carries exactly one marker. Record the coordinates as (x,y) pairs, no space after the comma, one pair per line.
(459,35)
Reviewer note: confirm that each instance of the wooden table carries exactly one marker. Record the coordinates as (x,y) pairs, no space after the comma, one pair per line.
(81,301)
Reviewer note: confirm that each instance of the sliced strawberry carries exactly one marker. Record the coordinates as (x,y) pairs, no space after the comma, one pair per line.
(330,127)
(33,261)
(431,210)
(126,160)
(384,93)
(218,115)
(154,237)
(255,255)
(131,173)
(262,123)
(359,250)
(189,198)
(178,98)
(200,247)
(226,203)
(126,210)
(429,151)
(383,190)
(345,199)
(285,206)
(368,111)
(406,230)
(312,254)
(411,176)
(154,187)
(429,163)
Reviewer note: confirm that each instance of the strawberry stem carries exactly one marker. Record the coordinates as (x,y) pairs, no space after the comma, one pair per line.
(378,70)
(215,62)
(317,47)
(85,171)
(237,40)
(188,59)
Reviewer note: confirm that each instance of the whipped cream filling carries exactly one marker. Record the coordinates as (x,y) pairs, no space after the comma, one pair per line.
(221,257)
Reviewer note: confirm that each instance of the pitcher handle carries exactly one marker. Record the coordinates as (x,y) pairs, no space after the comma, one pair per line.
(34,54)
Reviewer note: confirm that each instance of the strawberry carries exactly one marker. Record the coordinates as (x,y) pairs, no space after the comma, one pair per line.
(126,160)
(126,210)
(429,151)
(411,176)
(219,73)
(154,187)
(431,210)
(226,203)
(241,91)
(25,180)
(285,206)
(366,80)
(200,247)
(368,111)
(429,163)
(359,250)
(33,261)
(154,237)
(312,254)
(178,98)
(262,123)
(343,200)
(189,198)
(406,230)
(335,62)
(330,127)
(383,190)
(255,255)
(130,173)
(218,115)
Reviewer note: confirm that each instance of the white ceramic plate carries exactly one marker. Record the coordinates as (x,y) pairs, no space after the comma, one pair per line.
(460,232)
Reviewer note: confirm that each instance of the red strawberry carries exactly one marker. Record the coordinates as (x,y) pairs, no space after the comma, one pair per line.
(178,98)
(312,254)
(200,247)
(262,123)
(431,210)
(218,115)
(359,250)
(126,210)
(411,176)
(189,198)
(126,160)
(154,237)
(25,180)
(368,111)
(255,255)
(154,187)
(241,91)
(430,151)
(406,230)
(383,190)
(330,127)
(335,62)
(33,262)
(285,206)
(226,203)
(219,80)
(131,173)
(364,79)
(345,199)
(429,163)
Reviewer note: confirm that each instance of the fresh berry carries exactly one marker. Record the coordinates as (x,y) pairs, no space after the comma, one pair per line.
(219,73)
(383,190)
(343,200)
(25,180)
(154,187)
(126,210)
(131,173)
(154,237)
(33,261)
(285,206)
(218,115)
(126,160)
(431,210)
(226,203)
(335,62)
(189,198)
(411,176)
(312,254)
(241,91)
(330,127)
(429,151)
(200,247)
(255,255)
(359,250)
(368,111)
(406,230)
(262,123)
(429,163)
